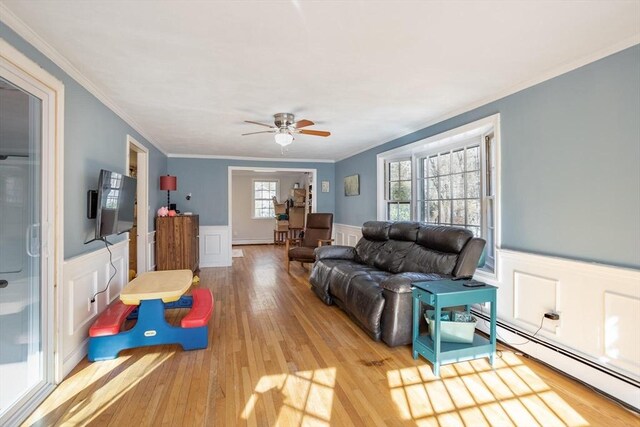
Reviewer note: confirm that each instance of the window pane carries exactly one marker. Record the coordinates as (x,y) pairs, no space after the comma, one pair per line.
(445,187)
(433,166)
(393,211)
(473,158)
(405,170)
(432,189)
(401,190)
(272,186)
(444,163)
(473,212)
(394,171)
(404,212)
(473,184)
(433,214)
(457,185)
(445,212)
(457,161)
(475,230)
(458,212)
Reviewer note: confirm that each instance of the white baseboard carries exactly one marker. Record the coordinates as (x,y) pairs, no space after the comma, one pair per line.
(82,277)
(214,246)
(252,242)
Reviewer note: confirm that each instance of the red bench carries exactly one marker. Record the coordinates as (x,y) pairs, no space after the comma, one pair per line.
(111,320)
(201,309)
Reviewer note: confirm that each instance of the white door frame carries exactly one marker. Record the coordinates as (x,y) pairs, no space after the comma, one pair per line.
(314,180)
(142,191)
(23,72)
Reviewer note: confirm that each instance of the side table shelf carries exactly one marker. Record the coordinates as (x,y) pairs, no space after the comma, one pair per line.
(449,293)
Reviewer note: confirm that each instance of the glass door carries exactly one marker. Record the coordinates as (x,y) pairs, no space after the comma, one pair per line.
(24,349)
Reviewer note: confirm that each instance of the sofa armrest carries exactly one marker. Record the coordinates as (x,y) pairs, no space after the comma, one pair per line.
(401,283)
(335,252)
(468,258)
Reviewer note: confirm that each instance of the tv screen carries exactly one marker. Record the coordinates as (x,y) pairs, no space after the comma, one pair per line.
(116,203)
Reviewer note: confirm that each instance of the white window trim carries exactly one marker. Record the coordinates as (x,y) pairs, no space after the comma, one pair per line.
(442,141)
(253,196)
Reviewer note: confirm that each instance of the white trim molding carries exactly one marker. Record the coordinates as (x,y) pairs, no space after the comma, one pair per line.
(599,308)
(215,246)
(151,251)
(252,242)
(26,73)
(84,276)
(24,31)
(142,200)
(548,75)
(257,159)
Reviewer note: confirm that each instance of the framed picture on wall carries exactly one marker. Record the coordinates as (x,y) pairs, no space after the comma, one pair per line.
(352,185)
(325,186)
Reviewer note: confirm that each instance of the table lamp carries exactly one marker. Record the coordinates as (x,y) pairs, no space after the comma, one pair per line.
(168,183)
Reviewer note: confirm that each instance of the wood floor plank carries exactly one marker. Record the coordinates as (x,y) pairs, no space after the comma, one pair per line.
(277,355)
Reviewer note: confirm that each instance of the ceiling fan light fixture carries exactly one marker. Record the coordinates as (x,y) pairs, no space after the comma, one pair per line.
(283,137)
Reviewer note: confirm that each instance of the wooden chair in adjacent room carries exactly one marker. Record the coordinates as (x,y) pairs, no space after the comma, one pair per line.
(317,233)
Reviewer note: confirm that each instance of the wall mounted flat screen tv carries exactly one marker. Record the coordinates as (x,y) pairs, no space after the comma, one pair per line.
(115,212)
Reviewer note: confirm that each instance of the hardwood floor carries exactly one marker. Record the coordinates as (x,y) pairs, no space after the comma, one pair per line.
(278,356)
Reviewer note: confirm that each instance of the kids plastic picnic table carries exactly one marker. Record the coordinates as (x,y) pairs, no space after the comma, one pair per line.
(145,298)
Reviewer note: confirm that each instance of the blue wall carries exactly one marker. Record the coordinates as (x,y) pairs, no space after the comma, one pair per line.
(207,180)
(94,139)
(570,164)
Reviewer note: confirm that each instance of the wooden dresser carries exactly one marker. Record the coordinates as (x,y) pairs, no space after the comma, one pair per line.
(177,243)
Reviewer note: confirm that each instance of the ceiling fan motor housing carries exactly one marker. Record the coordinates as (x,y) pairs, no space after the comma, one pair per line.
(283,119)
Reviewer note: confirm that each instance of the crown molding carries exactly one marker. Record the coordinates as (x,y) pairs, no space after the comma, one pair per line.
(547,75)
(31,37)
(254,159)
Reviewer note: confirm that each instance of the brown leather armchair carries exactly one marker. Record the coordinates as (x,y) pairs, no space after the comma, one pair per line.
(317,233)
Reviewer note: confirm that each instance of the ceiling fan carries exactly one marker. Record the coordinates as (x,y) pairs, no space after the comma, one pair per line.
(285,127)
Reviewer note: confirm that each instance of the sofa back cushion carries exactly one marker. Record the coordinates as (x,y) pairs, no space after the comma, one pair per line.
(400,247)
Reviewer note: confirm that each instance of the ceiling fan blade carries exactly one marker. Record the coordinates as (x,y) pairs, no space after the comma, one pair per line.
(262,131)
(303,123)
(314,132)
(258,123)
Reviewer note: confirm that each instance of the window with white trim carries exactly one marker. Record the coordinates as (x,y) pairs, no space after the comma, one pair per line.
(398,190)
(263,193)
(448,179)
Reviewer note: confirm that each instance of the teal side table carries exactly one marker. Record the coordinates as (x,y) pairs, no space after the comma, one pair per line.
(451,293)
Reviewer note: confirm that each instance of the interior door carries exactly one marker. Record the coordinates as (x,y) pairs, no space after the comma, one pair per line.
(22,348)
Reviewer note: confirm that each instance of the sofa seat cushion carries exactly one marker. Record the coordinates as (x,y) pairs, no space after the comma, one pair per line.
(364,302)
(302,253)
(319,278)
(343,273)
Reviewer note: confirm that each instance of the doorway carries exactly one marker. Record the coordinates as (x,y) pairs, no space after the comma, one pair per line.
(31,117)
(138,167)
(251,215)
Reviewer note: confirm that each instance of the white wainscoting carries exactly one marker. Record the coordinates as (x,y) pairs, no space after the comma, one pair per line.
(599,309)
(82,277)
(252,242)
(214,246)
(151,251)
(346,235)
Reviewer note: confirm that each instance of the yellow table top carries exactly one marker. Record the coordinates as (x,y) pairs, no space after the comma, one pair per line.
(167,285)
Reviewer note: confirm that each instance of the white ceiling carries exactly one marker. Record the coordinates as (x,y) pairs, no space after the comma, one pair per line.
(189,73)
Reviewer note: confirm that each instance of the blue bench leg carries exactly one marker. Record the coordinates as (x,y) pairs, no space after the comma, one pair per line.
(151,329)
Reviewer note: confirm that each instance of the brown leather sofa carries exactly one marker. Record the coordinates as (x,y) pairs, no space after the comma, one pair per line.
(372,282)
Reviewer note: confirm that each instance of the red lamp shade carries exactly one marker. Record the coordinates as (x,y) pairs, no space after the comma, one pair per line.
(168,183)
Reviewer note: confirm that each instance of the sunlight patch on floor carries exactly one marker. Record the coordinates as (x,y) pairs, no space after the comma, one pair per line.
(475,394)
(108,394)
(306,396)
